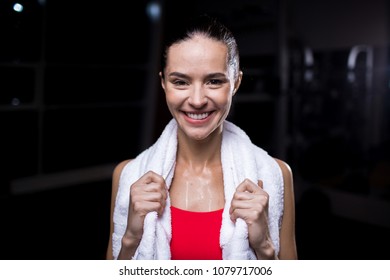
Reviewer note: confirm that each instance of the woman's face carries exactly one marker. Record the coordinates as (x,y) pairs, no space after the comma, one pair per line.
(199,85)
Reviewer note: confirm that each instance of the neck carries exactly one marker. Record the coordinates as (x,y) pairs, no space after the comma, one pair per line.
(199,154)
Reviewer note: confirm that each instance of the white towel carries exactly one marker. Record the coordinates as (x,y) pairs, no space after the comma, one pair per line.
(240,160)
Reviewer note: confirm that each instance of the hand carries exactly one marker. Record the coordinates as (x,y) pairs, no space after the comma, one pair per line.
(250,203)
(147,194)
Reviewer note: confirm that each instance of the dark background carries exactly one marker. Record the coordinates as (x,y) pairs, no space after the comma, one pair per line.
(79,92)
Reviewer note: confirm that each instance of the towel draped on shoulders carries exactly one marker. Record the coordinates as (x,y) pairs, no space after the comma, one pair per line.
(241,160)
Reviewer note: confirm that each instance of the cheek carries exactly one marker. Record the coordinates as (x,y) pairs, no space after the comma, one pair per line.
(223,99)
(172,98)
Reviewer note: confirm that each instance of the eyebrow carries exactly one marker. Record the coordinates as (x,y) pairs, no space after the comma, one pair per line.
(209,76)
(177,74)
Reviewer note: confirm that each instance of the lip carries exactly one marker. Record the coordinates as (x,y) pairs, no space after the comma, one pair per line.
(197,121)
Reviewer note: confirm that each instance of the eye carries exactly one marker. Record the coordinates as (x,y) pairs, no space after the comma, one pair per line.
(215,82)
(179,83)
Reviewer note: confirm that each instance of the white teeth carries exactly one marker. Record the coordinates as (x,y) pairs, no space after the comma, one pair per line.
(198,116)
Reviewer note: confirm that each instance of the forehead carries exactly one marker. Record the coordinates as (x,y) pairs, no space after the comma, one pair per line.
(198,51)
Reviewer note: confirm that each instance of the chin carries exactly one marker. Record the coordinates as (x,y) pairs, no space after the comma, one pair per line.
(198,136)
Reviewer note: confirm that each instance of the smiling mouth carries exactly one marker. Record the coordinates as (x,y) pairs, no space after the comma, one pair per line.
(198,116)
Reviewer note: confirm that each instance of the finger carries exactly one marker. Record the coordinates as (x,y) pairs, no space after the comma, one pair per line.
(150,196)
(248,200)
(241,203)
(243,195)
(244,186)
(151,192)
(152,177)
(145,207)
(247,186)
(239,213)
(260,183)
(247,211)
(153,187)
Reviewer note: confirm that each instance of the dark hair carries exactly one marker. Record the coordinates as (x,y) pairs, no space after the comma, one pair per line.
(204,25)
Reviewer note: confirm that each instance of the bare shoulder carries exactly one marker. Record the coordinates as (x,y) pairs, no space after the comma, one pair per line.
(114,190)
(288,249)
(116,176)
(286,169)
(118,169)
(288,180)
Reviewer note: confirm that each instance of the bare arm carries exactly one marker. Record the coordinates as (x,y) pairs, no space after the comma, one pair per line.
(114,190)
(288,250)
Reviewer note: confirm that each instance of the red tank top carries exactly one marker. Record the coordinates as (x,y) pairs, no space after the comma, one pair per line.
(195,235)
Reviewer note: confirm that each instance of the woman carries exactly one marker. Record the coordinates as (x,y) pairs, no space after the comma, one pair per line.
(203,190)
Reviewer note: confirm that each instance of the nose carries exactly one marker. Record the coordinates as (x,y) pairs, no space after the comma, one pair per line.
(198,97)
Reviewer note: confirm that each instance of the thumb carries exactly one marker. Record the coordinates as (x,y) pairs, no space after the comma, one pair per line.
(260,183)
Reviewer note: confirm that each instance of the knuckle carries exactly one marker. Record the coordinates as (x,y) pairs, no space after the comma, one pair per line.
(236,195)
(160,196)
(137,206)
(247,181)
